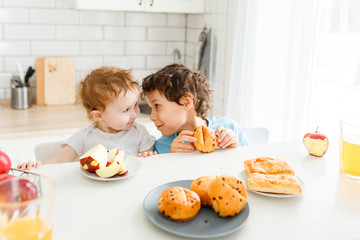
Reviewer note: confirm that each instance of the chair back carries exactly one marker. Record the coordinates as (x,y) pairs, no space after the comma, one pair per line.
(257,135)
(44,151)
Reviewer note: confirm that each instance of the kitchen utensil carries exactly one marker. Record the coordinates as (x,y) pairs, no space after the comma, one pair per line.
(55,81)
(20,71)
(30,71)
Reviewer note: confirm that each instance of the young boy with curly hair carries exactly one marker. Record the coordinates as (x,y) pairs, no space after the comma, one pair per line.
(179,99)
(110,97)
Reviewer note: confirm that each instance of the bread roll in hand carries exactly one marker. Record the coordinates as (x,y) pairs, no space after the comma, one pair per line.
(206,139)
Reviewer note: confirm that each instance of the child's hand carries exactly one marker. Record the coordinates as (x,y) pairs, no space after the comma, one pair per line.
(226,137)
(147,153)
(29,165)
(183,142)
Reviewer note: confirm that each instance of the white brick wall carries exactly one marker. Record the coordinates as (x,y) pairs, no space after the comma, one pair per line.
(141,41)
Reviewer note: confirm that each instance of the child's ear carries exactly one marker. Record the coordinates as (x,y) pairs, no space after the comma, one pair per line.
(187,101)
(95,114)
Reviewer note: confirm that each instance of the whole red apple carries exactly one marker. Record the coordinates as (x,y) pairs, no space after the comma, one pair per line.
(5,163)
(17,190)
(316,143)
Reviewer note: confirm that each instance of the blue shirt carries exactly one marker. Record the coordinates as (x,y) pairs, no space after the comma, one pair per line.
(162,145)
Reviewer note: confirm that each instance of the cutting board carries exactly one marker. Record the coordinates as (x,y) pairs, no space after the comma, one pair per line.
(55,81)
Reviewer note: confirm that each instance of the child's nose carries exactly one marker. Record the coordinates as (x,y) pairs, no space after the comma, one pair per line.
(152,116)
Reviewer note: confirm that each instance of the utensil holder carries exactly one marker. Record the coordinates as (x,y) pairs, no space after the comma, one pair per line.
(21,97)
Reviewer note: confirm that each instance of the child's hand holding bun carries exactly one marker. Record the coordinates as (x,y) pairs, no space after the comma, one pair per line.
(206,139)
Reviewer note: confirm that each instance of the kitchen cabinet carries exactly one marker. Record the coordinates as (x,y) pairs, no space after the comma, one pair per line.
(169,6)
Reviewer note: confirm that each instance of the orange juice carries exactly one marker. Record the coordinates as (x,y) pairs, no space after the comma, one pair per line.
(350,156)
(27,229)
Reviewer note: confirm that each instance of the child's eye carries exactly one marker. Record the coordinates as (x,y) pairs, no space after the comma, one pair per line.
(126,110)
(157,105)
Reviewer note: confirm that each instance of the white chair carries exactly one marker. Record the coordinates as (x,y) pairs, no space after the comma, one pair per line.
(44,151)
(257,135)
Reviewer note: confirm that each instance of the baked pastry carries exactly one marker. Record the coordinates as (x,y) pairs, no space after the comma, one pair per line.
(179,204)
(228,195)
(270,183)
(201,186)
(266,165)
(206,139)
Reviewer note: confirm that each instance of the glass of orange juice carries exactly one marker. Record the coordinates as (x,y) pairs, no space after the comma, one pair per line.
(350,148)
(27,207)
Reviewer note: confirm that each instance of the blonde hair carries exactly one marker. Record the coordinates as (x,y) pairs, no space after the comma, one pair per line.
(102,86)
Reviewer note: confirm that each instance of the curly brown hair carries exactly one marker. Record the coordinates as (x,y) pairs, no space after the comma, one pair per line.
(175,81)
(103,85)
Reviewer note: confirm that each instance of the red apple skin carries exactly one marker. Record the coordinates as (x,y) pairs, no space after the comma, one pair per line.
(315,135)
(4,176)
(5,163)
(92,164)
(17,190)
(124,173)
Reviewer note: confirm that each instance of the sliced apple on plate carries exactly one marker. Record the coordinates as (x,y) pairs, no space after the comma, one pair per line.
(116,166)
(119,158)
(94,159)
(108,171)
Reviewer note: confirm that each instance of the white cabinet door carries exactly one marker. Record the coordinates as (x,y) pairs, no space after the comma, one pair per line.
(112,5)
(170,6)
(175,6)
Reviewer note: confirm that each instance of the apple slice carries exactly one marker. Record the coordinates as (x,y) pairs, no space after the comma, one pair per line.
(119,160)
(111,154)
(94,159)
(108,171)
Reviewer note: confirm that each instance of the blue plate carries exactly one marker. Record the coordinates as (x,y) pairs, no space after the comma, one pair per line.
(206,224)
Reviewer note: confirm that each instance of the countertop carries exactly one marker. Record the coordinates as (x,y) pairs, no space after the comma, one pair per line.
(45,120)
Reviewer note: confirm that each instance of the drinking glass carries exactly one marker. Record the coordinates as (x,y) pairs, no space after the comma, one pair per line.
(27,219)
(350,148)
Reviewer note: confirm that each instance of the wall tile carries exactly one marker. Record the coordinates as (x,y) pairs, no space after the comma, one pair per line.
(5,80)
(192,35)
(55,48)
(64,3)
(157,62)
(176,20)
(88,63)
(58,16)
(125,33)
(29,3)
(66,32)
(14,15)
(125,62)
(166,34)
(1,32)
(102,18)
(2,64)
(145,19)
(11,63)
(29,32)
(15,48)
(145,48)
(102,48)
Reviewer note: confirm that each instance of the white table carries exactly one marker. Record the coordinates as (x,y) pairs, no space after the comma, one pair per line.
(328,209)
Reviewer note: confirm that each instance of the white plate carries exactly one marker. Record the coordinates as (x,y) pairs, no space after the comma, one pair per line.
(207,224)
(132,163)
(243,177)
